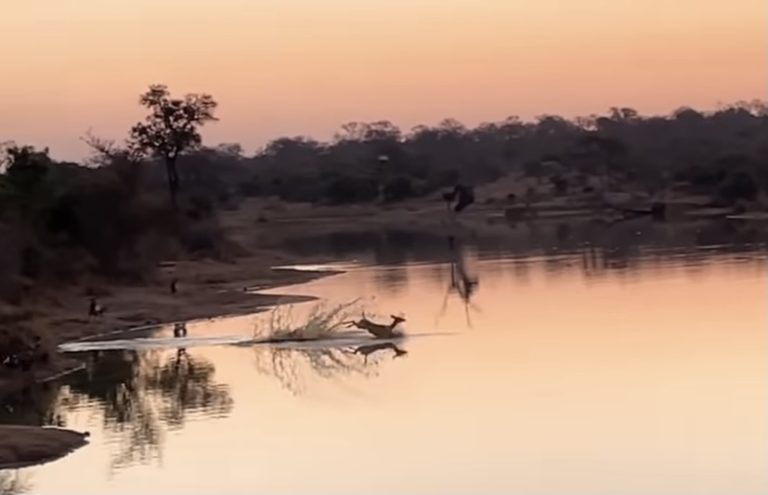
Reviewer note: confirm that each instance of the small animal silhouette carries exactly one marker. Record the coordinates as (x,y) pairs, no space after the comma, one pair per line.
(174,286)
(377,330)
(179,329)
(95,309)
(464,196)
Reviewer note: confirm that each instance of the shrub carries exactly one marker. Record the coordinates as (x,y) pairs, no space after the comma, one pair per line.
(701,177)
(560,184)
(250,188)
(399,188)
(739,185)
(348,189)
(202,238)
(200,207)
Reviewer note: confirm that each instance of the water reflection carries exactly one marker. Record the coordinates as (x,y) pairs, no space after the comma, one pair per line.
(392,279)
(294,368)
(569,373)
(603,248)
(462,282)
(35,405)
(14,482)
(386,247)
(142,394)
(367,350)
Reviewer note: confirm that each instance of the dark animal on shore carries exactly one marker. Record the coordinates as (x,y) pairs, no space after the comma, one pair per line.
(376,329)
(463,195)
(179,329)
(95,309)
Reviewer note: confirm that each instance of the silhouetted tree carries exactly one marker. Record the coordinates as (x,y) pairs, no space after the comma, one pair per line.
(172,127)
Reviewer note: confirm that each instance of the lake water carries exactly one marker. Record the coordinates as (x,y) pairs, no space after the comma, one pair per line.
(560,366)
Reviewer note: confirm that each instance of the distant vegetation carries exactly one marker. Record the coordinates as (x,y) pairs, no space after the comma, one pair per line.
(60,221)
(723,154)
(112,215)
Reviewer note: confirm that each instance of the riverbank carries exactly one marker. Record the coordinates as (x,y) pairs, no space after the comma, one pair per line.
(25,445)
(263,229)
(205,289)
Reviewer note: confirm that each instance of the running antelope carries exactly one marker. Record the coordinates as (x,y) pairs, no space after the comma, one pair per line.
(377,330)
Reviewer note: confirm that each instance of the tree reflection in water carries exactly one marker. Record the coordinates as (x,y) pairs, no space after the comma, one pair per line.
(34,406)
(143,394)
(293,367)
(14,482)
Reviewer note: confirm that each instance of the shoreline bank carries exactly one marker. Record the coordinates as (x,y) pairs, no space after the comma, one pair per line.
(210,288)
(24,446)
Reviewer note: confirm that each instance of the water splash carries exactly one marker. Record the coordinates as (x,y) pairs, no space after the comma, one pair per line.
(321,322)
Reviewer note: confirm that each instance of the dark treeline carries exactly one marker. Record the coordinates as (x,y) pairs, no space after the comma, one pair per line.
(112,214)
(719,153)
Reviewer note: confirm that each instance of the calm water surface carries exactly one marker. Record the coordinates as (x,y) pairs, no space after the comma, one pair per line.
(575,370)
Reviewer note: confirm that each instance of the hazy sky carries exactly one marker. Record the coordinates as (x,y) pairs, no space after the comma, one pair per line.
(290,67)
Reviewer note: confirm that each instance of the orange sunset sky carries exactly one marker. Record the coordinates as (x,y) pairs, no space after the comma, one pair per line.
(303,67)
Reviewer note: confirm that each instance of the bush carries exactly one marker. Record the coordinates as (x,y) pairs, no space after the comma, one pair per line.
(98,216)
(299,188)
(75,220)
(701,177)
(200,207)
(399,188)
(347,189)
(560,184)
(250,188)
(533,168)
(737,186)
(202,238)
